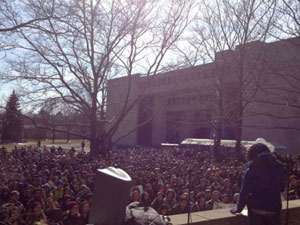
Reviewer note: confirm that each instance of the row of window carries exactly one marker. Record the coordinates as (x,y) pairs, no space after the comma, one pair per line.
(182,100)
(196,117)
(173,79)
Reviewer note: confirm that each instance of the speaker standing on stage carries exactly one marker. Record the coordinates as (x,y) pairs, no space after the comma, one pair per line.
(262,184)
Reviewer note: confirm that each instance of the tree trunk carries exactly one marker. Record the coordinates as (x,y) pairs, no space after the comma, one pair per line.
(105,145)
(53,136)
(240,110)
(94,140)
(217,144)
(94,136)
(68,134)
(238,139)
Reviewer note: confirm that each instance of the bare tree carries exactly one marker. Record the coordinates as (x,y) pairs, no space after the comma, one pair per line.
(16,14)
(21,14)
(282,90)
(231,35)
(85,44)
(288,12)
(285,92)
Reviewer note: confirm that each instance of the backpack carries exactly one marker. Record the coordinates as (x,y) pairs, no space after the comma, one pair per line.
(139,215)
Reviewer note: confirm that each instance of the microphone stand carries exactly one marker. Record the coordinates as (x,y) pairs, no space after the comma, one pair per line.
(287,191)
(286,163)
(189,219)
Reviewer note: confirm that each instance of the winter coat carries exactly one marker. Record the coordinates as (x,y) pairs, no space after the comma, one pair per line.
(262,184)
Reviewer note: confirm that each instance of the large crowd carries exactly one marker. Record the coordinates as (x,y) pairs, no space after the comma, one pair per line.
(54,186)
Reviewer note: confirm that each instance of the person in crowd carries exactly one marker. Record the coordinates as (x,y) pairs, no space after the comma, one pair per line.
(38,196)
(236,198)
(35,214)
(293,195)
(182,206)
(46,189)
(56,179)
(66,201)
(67,190)
(14,199)
(58,192)
(225,198)
(145,199)
(214,201)
(170,199)
(82,145)
(200,203)
(158,201)
(73,217)
(135,196)
(5,195)
(51,204)
(227,188)
(207,194)
(83,193)
(164,210)
(294,185)
(14,217)
(261,188)
(84,210)
(55,216)
(149,189)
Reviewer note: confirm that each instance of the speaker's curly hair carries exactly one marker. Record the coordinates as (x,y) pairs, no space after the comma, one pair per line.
(257,149)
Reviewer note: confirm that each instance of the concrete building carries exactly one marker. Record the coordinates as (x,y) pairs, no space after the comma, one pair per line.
(191,102)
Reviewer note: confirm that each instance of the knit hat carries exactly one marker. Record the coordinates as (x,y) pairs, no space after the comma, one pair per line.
(46,185)
(59,182)
(72,204)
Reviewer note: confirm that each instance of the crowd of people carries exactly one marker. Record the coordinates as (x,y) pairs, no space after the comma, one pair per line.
(54,186)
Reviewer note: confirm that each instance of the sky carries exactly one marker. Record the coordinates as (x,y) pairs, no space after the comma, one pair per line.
(5,91)
(5,88)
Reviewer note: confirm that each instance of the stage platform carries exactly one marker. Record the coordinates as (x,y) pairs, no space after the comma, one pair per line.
(224,217)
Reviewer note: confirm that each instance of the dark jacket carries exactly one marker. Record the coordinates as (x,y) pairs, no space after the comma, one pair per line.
(262,184)
(73,220)
(178,210)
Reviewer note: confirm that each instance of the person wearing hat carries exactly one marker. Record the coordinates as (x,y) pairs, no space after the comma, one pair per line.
(58,192)
(73,217)
(66,201)
(261,188)
(46,187)
(236,197)
(207,194)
